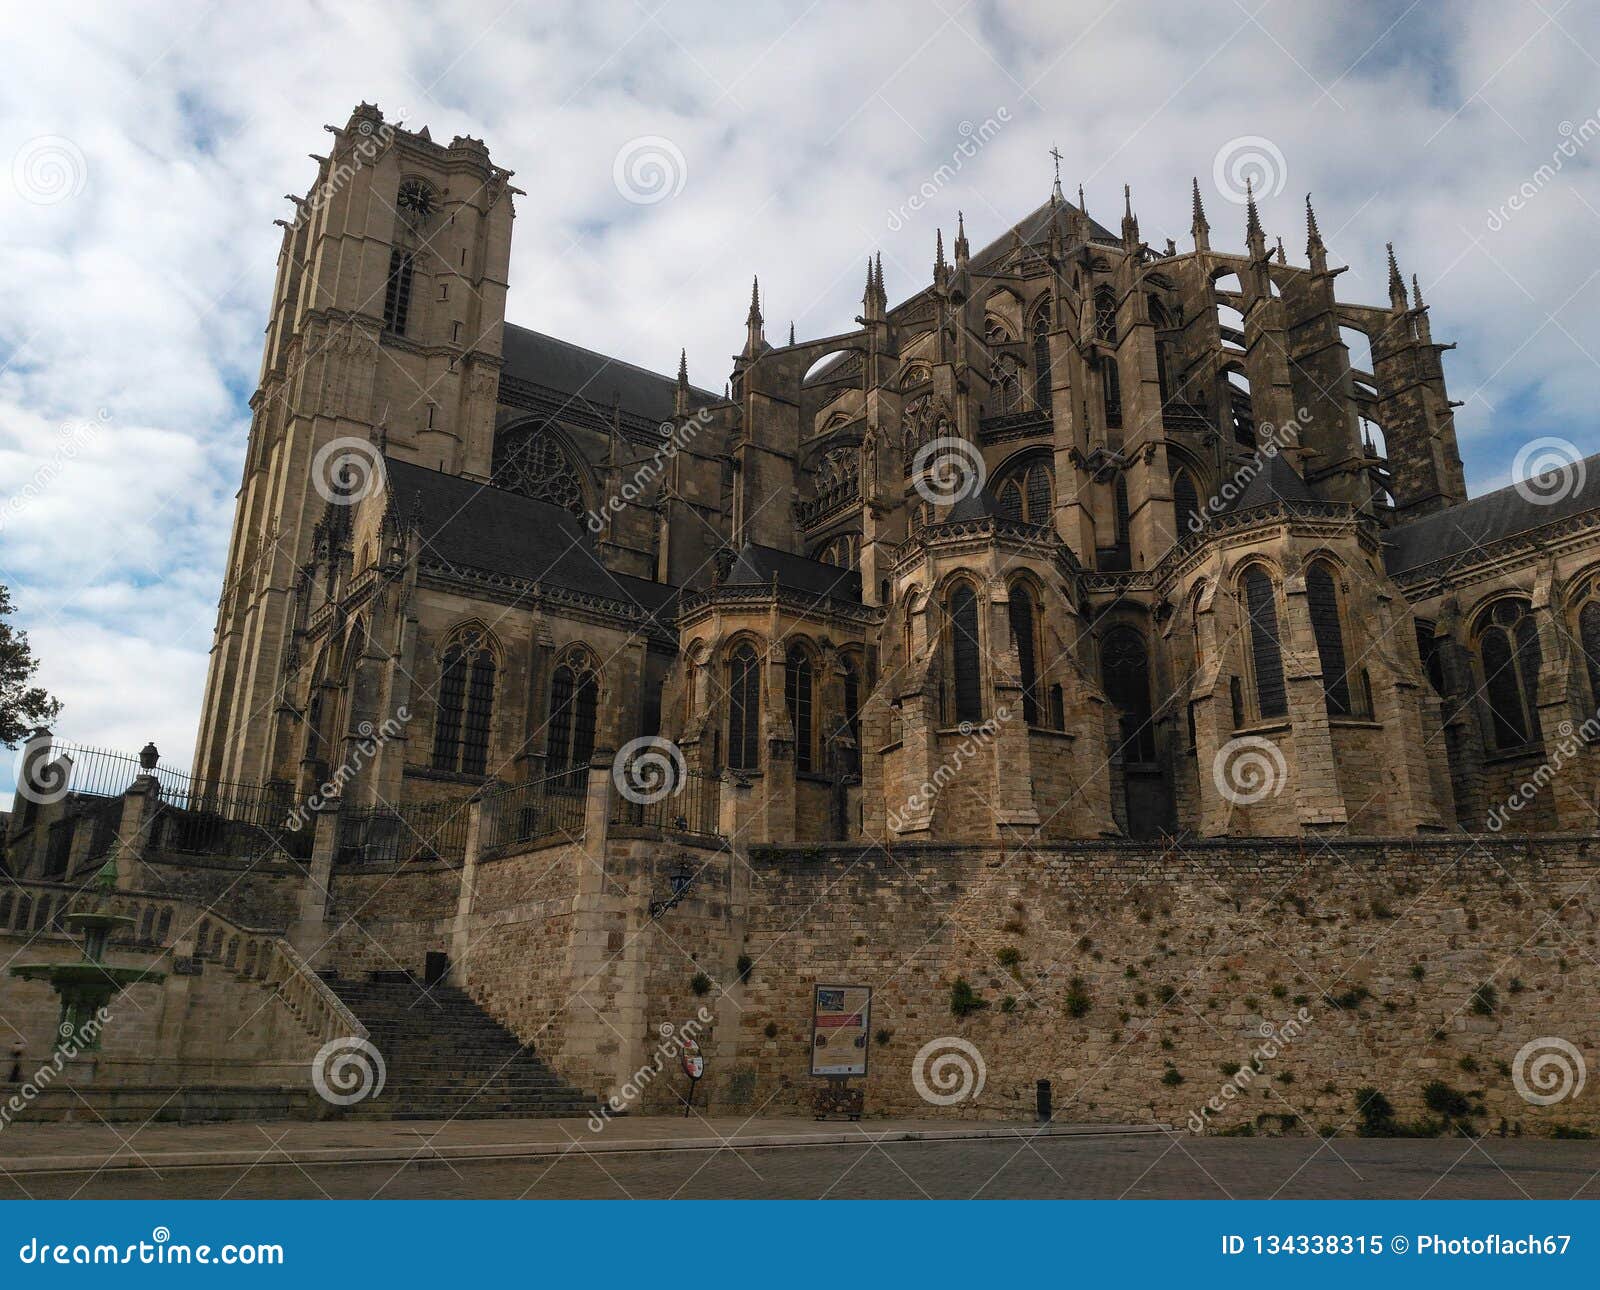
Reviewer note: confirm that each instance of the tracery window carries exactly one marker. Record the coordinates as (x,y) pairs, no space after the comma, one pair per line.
(1125,673)
(465,705)
(1322,598)
(1266,649)
(842,551)
(1105,315)
(1509,652)
(744,708)
(1027,494)
(574,704)
(1041,360)
(532,462)
(1005,385)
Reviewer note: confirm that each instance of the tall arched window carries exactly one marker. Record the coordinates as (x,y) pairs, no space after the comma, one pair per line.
(852,711)
(1266,652)
(466,705)
(1005,385)
(1111,379)
(1027,494)
(966,658)
(1125,673)
(1322,599)
(1024,630)
(397,292)
(1105,315)
(1041,360)
(1186,502)
(1589,638)
(798,687)
(744,708)
(574,702)
(1508,649)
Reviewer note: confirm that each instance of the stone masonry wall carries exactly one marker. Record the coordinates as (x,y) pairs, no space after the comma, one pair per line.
(1135,978)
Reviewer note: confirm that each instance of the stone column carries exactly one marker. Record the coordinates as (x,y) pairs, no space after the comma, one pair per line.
(139,805)
(467,895)
(596,823)
(309,933)
(1317,798)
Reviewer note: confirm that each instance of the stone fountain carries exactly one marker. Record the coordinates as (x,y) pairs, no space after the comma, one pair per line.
(85,988)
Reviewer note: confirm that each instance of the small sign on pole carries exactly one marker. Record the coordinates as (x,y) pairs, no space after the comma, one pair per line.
(694,1066)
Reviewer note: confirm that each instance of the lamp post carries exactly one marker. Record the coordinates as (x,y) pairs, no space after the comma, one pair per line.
(682,878)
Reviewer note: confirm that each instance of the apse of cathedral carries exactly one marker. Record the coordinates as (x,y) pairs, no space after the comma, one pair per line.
(1085,538)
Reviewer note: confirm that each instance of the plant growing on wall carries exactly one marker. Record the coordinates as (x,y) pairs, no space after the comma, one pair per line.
(963,999)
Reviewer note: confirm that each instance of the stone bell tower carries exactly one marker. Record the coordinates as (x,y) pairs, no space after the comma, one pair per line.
(384,335)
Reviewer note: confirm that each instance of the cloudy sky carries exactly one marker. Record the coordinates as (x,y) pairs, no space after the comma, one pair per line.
(145,150)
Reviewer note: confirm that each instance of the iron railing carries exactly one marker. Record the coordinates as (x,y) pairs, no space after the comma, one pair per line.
(693,806)
(540,809)
(232,819)
(397,834)
(104,772)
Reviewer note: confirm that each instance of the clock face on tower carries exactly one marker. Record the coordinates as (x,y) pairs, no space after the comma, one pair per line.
(417,199)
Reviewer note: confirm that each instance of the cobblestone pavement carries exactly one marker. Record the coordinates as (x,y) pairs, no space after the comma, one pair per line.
(1134,1167)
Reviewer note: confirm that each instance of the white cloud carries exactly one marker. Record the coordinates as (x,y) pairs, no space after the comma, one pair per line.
(145,294)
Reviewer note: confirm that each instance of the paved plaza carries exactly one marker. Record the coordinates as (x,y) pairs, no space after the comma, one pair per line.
(666,1158)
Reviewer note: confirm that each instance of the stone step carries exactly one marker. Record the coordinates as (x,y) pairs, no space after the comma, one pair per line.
(447,1058)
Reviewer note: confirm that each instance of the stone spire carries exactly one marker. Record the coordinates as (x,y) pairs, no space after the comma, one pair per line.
(791,332)
(1282,258)
(1056,197)
(1253,235)
(1130,223)
(754,340)
(962,251)
(1423,329)
(680,398)
(941,269)
(1198,227)
(1397,284)
(1316,252)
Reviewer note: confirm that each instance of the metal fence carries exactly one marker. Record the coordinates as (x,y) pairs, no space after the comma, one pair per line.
(694,806)
(397,834)
(231,819)
(104,772)
(541,808)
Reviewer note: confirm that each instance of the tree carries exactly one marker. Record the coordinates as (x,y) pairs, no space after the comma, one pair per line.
(23,706)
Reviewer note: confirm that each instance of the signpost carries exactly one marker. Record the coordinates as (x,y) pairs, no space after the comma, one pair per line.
(841,1020)
(694,1066)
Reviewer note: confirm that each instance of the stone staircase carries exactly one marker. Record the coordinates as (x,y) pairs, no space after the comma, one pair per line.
(445,1058)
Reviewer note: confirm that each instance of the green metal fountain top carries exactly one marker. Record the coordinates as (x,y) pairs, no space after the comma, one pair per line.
(88,986)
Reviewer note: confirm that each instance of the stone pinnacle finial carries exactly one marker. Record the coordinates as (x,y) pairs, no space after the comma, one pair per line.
(1397,283)
(1282,258)
(755,302)
(1315,251)
(1198,228)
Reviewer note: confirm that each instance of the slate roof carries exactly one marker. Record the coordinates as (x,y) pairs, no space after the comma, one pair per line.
(475,526)
(1488,518)
(570,369)
(1278,482)
(1035,231)
(975,506)
(757,565)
